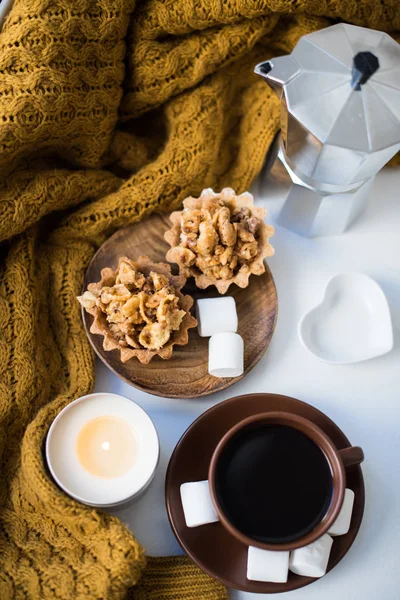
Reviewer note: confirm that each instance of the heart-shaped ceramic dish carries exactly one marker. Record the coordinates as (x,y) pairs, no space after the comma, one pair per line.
(351,324)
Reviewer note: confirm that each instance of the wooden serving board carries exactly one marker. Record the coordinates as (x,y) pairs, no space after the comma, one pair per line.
(185,375)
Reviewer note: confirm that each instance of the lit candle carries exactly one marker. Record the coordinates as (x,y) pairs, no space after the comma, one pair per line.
(102,449)
(107,447)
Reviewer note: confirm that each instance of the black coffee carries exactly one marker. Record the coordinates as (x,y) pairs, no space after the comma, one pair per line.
(273,483)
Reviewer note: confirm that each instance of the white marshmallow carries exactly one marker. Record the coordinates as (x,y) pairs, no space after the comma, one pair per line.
(312,560)
(267,565)
(216,315)
(197,504)
(226,355)
(342,524)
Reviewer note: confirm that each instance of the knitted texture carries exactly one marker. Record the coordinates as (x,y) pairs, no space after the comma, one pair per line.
(108,112)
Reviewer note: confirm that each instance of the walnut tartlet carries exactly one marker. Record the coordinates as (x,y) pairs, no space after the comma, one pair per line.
(139,309)
(219,239)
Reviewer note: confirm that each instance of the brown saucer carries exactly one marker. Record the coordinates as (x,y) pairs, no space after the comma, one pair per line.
(185,375)
(211,546)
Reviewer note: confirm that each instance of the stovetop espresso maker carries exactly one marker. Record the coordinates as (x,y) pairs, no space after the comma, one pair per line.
(340,123)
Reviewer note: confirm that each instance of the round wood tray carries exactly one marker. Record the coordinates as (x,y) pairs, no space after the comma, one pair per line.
(185,375)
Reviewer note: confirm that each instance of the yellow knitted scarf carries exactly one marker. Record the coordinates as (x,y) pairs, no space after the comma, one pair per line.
(109,111)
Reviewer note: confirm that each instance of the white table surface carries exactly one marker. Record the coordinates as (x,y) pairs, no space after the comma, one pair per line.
(363,398)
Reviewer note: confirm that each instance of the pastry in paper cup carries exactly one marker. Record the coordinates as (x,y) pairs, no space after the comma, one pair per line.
(139,309)
(219,239)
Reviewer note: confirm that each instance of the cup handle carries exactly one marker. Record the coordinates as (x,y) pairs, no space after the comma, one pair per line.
(351,456)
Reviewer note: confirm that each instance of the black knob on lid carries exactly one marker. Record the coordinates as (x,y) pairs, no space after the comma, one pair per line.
(264,68)
(364,65)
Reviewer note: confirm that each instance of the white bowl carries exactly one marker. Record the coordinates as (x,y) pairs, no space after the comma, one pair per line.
(351,324)
(73,478)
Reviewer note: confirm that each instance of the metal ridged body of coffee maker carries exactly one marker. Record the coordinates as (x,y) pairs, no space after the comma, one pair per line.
(340,123)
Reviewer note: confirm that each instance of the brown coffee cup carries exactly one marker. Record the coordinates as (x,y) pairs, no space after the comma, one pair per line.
(338,460)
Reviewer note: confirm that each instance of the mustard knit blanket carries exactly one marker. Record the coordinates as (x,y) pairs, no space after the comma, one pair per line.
(109,111)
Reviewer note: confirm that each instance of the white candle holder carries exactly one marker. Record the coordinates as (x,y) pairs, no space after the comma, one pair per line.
(72,474)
